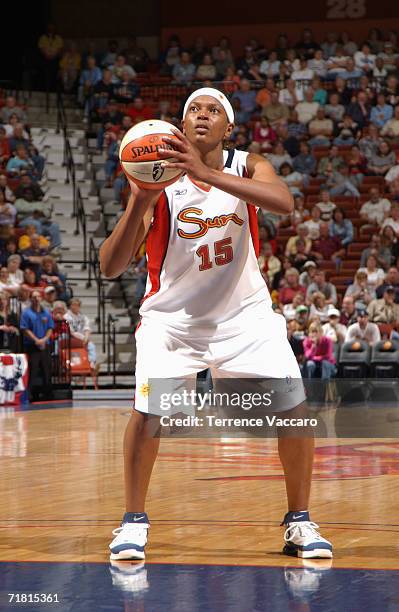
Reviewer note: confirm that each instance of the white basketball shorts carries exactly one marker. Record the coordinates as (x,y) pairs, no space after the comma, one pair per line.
(242,348)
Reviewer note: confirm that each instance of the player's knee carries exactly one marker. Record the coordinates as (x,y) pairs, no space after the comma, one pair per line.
(300,423)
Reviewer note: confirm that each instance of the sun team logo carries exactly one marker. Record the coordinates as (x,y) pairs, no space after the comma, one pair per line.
(204,225)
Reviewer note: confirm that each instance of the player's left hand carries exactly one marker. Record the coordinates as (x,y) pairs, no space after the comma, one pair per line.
(187,157)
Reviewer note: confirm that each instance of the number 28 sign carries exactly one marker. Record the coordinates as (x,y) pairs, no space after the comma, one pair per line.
(346,9)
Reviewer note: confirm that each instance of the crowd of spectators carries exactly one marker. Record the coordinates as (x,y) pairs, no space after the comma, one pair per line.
(325,113)
(33,292)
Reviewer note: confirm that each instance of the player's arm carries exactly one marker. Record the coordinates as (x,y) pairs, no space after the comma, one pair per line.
(119,249)
(262,187)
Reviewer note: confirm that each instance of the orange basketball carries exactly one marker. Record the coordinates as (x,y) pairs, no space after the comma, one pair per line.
(139,155)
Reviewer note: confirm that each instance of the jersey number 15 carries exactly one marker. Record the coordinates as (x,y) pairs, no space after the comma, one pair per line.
(223,254)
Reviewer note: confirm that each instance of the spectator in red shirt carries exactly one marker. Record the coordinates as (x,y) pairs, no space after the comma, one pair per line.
(328,247)
(138,111)
(290,288)
(4,147)
(319,354)
(264,134)
(265,235)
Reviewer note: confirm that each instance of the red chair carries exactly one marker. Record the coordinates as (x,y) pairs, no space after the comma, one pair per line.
(327,266)
(342,279)
(80,366)
(349,267)
(385,330)
(312,199)
(312,190)
(379,180)
(355,248)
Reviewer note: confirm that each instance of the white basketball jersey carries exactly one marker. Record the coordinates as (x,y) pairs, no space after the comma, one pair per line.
(202,251)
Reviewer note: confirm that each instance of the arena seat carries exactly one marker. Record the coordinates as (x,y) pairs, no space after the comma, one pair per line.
(312,190)
(385,362)
(366,231)
(354,363)
(79,363)
(355,249)
(385,330)
(342,279)
(286,232)
(312,198)
(369,179)
(349,267)
(327,266)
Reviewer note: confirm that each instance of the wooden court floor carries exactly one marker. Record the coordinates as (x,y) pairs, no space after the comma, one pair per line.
(214,501)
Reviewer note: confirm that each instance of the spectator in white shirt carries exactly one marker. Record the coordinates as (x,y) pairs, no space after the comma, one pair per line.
(334,109)
(326,206)
(320,129)
(271,66)
(363,329)
(333,329)
(6,284)
(379,71)
(313,224)
(15,274)
(391,127)
(364,59)
(290,95)
(376,209)
(304,73)
(291,61)
(308,108)
(393,220)
(79,325)
(392,174)
(279,156)
(318,64)
(337,63)
(375,275)
(293,179)
(388,56)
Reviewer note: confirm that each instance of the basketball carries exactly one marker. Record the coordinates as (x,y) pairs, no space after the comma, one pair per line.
(139,155)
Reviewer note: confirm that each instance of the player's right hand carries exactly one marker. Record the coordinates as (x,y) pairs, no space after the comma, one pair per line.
(136,190)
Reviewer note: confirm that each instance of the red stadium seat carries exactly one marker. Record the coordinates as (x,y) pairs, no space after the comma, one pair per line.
(327,266)
(349,267)
(312,199)
(385,330)
(316,181)
(312,190)
(342,279)
(373,179)
(286,232)
(355,248)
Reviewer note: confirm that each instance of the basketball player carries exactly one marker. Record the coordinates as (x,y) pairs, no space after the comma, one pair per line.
(207,305)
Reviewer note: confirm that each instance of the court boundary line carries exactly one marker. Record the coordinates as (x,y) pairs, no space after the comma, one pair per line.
(254,523)
(149,562)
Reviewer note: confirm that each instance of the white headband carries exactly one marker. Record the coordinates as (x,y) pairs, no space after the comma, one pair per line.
(214,93)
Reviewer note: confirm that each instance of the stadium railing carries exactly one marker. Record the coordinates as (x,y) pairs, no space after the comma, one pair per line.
(95,276)
(78,210)
(111,347)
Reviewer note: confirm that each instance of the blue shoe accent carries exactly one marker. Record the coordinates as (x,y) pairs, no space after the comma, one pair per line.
(294,517)
(129,546)
(135,517)
(312,546)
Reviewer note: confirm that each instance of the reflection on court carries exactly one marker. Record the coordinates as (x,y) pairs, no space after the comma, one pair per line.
(215,507)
